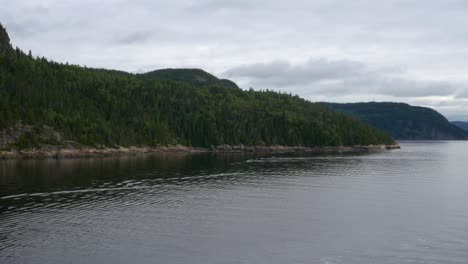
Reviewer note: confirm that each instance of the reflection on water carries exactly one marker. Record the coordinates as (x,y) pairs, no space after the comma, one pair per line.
(51,175)
(405,206)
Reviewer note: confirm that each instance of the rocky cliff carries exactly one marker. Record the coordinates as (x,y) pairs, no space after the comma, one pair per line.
(25,136)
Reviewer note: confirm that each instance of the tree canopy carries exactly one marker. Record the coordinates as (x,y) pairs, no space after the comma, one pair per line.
(105,107)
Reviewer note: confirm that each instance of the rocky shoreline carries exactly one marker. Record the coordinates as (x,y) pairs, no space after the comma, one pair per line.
(60,153)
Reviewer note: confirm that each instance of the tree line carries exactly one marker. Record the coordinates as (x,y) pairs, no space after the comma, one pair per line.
(105,107)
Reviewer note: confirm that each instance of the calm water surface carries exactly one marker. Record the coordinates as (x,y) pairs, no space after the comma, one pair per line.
(406,206)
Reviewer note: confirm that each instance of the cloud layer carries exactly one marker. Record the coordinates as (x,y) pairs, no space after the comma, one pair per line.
(339,50)
(320,76)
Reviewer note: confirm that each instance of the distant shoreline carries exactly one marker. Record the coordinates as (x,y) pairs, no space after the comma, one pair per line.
(64,153)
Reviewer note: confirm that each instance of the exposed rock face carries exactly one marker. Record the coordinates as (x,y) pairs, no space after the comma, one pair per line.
(24,134)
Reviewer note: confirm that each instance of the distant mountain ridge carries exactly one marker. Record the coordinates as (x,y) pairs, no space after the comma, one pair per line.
(403,121)
(461,124)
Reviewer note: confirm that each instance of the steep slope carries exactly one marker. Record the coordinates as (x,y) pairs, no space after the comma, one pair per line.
(196,77)
(43,102)
(461,124)
(403,121)
(5,46)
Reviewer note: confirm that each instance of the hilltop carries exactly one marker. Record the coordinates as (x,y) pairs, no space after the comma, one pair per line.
(196,77)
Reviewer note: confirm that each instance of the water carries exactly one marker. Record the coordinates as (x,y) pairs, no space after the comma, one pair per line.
(403,206)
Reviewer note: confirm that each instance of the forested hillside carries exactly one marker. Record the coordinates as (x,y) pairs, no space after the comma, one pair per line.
(102,107)
(461,124)
(403,121)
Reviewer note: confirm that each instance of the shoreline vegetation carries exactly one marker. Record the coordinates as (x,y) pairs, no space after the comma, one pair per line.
(85,152)
(55,110)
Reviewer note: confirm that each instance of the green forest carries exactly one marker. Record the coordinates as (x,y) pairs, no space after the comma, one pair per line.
(96,107)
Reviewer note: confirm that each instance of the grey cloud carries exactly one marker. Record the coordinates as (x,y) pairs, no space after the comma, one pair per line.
(25,28)
(206,6)
(334,77)
(416,88)
(462,92)
(279,73)
(134,37)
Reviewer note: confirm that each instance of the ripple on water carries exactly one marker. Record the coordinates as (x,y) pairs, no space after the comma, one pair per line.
(393,207)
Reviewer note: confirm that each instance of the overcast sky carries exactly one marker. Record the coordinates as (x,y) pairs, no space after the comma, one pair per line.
(323,50)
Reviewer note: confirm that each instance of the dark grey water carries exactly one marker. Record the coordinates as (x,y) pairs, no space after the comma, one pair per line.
(406,206)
